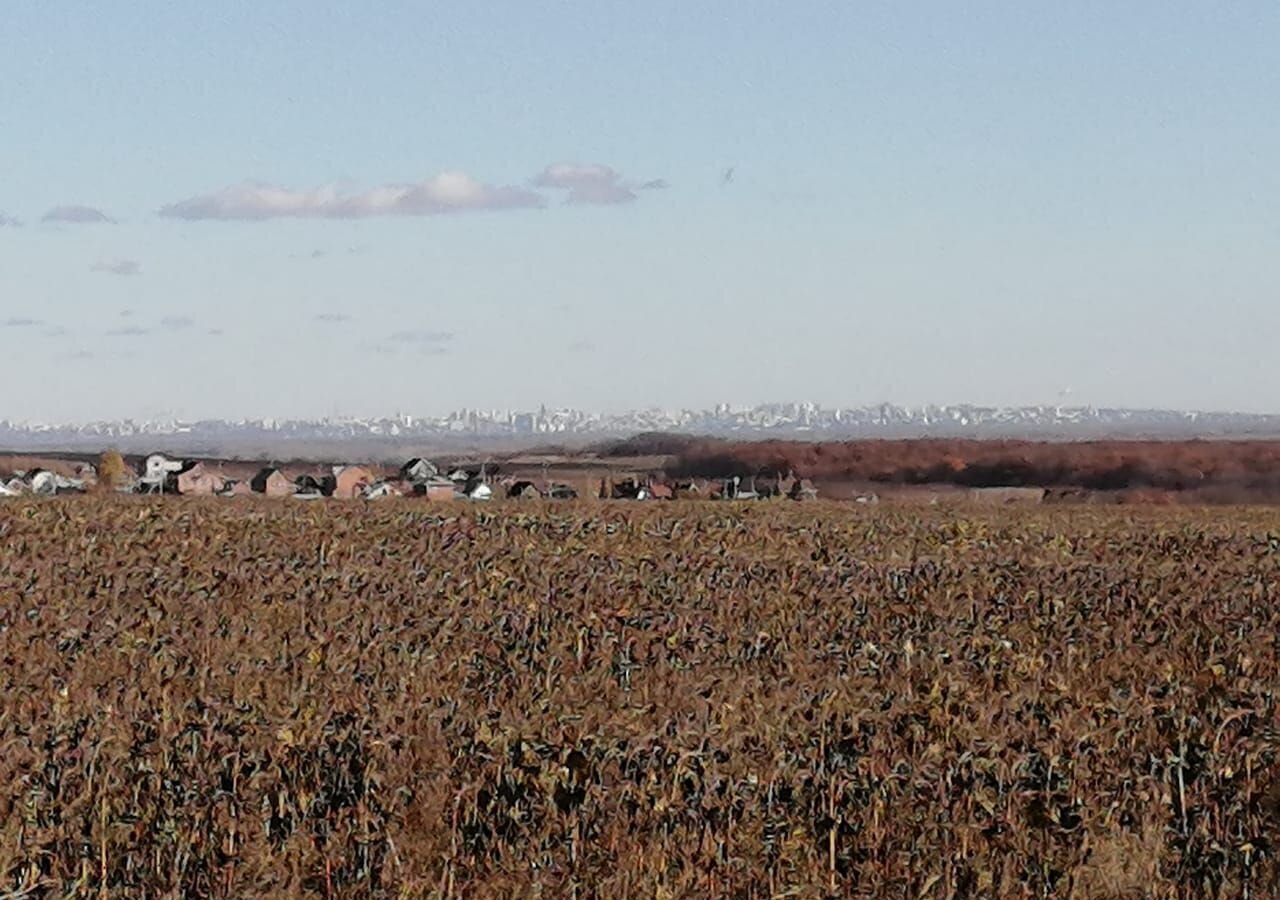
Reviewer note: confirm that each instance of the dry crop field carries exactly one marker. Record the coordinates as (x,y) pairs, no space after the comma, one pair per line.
(235,699)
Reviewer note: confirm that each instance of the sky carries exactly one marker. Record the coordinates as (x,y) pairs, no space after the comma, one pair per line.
(303,208)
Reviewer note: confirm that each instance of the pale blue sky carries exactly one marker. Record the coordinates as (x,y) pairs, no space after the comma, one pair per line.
(930,202)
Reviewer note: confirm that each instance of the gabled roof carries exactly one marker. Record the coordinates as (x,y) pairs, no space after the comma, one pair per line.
(259,481)
(419,463)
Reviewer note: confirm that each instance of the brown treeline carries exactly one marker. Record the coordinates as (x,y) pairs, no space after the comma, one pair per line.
(1246,466)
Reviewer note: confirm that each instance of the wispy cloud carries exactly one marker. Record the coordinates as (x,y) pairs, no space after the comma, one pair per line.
(177,323)
(129,331)
(46,329)
(118,267)
(422,337)
(424,342)
(9,221)
(331,318)
(83,355)
(77,215)
(380,348)
(592,183)
(447,192)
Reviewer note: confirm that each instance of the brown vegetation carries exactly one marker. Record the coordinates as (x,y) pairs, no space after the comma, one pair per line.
(1225,470)
(112,470)
(230,699)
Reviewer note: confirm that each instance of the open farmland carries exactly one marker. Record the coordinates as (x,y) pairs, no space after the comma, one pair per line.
(223,698)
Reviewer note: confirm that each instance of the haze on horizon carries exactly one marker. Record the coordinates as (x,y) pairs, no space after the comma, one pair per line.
(306,209)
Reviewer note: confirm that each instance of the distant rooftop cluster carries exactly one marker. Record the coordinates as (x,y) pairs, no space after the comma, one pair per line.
(764,420)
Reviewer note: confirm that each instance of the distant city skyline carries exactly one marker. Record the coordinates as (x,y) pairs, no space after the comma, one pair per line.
(307,209)
(765,418)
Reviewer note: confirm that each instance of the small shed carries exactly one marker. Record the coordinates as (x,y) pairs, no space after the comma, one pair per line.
(441,490)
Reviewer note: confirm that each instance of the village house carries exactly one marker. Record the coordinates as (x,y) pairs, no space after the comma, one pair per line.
(739,488)
(239,488)
(802,489)
(350,482)
(271,482)
(418,470)
(522,490)
(46,483)
(195,479)
(308,485)
(157,472)
(382,490)
(689,490)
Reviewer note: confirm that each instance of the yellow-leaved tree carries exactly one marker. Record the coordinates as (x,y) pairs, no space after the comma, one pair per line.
(111,470)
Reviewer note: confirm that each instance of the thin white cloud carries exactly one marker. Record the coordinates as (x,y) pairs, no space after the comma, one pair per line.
(423,337)
(9,221)
(118,267)
(592,183)
(427,343)
(77,215)
(447,192)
